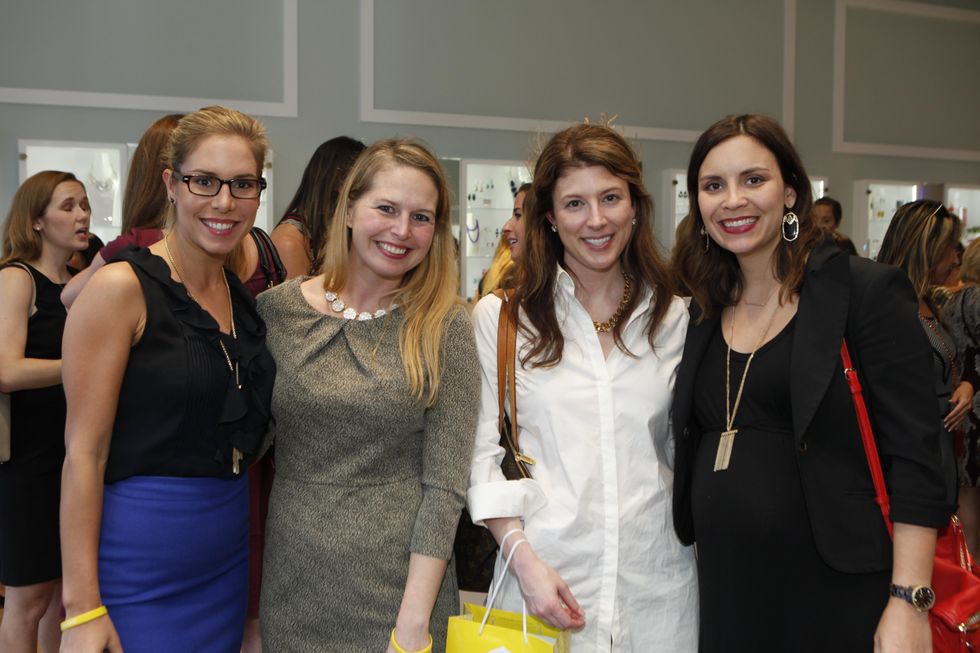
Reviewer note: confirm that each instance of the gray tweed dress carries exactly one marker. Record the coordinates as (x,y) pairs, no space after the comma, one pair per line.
(365,475)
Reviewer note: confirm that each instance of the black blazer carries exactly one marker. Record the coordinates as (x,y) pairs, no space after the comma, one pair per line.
(875,308)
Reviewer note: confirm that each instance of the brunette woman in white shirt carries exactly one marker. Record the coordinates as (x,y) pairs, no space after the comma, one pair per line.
(600,339)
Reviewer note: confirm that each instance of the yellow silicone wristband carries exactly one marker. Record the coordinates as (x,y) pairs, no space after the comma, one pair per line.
(84,618)
(399,649)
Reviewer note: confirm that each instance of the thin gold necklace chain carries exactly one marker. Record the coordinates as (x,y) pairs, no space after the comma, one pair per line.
(732,410)
(232,367)
(610,324)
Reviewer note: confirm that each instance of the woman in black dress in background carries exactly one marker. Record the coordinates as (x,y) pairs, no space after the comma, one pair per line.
(771,480)
(48,222)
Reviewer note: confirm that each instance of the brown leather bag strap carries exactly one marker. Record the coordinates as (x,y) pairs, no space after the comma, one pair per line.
(507,376)
(503,333)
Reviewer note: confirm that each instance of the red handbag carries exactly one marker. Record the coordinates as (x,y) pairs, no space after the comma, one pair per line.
(955,617)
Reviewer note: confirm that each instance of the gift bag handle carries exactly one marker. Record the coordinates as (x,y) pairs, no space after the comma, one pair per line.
(498,580)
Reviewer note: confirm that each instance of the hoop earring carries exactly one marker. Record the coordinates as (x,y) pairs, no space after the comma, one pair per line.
(791,227)
(707,241)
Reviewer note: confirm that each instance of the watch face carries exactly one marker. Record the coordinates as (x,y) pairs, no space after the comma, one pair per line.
(923,598)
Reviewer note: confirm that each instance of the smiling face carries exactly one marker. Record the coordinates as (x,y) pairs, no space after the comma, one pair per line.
(214,224)
(593,212)
(742,197)
(513,231)
(65,221)
(392,224)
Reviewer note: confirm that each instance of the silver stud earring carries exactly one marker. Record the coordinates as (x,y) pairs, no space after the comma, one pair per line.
(707,241)
(173,201)
(634,222)
(554,228)
(791,227)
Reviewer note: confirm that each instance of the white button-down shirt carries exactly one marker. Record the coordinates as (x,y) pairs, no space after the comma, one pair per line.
(598,509)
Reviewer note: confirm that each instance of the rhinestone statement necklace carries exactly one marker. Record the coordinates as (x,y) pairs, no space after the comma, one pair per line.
(337,305)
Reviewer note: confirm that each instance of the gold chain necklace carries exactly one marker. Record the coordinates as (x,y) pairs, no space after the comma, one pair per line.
(610,324)
(726,440)
(236,455)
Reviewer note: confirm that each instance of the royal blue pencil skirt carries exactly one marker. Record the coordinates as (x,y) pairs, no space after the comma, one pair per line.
(173,563)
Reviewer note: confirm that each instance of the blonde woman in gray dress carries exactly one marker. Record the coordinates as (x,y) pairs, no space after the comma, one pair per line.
(375,409)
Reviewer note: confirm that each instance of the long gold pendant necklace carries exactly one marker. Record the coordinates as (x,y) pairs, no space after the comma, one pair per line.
(726,440)
(236,455)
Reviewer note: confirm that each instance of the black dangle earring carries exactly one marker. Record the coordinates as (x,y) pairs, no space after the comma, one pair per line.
(791,227)
(707,241)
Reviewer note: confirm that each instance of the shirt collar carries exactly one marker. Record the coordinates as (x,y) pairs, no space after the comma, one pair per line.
(565,291)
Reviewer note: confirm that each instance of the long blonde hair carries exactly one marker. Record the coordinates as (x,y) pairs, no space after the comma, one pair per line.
(428,292)
(501,268)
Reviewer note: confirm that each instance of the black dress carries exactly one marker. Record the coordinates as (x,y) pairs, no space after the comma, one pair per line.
(30,483)
(763,585)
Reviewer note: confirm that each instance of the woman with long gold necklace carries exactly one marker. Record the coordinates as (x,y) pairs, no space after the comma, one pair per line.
(771,480)
(154,504)
(600,340)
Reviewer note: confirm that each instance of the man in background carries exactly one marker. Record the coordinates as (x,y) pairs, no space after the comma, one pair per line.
(827,213)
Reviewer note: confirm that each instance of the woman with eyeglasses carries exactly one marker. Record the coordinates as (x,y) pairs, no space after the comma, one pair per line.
(154,505)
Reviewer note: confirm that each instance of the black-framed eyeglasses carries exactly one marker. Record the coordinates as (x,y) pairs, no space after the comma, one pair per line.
(246,188)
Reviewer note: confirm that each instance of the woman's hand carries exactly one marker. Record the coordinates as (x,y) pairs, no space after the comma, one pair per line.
(547,595)
(95,636)
(903,629)
(961,401)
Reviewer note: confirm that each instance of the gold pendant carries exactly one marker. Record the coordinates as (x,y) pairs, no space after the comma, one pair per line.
(724,455)
(236,456)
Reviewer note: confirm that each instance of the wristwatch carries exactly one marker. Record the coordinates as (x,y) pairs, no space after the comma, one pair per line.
(921,597)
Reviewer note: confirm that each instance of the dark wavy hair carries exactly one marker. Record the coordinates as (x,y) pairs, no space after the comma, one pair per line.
(712,276)
(582,146)
(319,189)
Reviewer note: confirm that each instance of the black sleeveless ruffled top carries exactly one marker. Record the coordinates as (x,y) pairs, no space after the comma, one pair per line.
(180,413)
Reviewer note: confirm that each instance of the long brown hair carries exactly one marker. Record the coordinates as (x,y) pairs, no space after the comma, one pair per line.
(20,241)
(428,293)
(319,189)
(711,275)
(145,198)
(582,146)
(917,238)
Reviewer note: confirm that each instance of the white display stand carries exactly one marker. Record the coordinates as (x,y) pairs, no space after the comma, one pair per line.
(486,189)
(964,201)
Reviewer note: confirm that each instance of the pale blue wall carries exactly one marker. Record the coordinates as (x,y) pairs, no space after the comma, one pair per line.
(671,64)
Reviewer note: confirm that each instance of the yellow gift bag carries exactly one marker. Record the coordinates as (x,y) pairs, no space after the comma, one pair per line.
(489,630)
(502,633)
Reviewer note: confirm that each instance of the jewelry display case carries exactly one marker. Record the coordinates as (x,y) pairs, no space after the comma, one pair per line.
(486,189)
(100,166)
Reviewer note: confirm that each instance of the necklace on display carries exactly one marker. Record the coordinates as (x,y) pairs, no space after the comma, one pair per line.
(337,305)
(726,440)
(610,324)
(236,455)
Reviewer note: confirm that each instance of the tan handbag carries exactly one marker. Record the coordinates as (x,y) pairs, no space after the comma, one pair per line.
(515,464)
